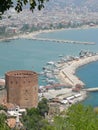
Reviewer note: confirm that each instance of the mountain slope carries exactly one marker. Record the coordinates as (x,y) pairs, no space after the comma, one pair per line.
(91,5)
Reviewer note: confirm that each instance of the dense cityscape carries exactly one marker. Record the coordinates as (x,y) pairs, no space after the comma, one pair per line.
(55,15)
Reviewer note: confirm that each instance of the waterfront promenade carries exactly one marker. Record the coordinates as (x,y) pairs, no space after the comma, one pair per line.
(67,72)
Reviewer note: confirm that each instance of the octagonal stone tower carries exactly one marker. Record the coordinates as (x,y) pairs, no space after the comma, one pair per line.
(22,88)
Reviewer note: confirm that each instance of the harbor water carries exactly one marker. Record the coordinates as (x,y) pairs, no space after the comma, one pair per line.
(33,55)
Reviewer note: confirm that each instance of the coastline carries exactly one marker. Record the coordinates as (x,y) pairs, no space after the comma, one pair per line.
(47,32)
(66,76)
(32,35)
(67,72)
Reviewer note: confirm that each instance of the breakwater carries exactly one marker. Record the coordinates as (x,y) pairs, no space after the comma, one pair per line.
(67,72)
(62,41)
(92,89)
(32,36)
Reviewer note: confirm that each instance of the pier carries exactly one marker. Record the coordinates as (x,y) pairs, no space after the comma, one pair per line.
(92,89)
(62,41)
(67,72)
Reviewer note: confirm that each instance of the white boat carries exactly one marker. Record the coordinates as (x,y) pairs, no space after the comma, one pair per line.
(41,73)
(50,63)
(50,81)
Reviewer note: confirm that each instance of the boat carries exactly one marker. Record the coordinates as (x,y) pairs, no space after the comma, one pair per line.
(50,81)
(50,63)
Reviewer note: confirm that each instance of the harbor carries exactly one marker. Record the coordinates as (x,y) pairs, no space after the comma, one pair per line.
(33,36)
(68,85)
(19,48)
(64,69)
(61,81)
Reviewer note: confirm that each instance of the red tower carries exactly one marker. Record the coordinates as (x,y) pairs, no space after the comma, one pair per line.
(22,88)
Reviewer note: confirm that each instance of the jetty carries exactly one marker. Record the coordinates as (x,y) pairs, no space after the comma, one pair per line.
(67,72)
(92,89)
(32,36)
(64,69)
(62,41)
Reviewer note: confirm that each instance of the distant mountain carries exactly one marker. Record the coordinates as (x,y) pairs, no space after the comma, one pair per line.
(91,5)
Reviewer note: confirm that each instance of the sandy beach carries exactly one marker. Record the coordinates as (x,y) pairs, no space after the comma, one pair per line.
(31,35)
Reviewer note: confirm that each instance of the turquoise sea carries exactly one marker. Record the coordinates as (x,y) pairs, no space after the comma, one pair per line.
(33,55)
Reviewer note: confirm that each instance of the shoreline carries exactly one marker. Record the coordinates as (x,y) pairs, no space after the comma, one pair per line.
(32,35)
(67,72)
(71,65)
(66,76)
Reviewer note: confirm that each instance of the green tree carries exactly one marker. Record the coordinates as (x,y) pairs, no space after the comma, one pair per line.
(19,4)
(60,122)
(77,117)
(3,125)
(80,117)
(33,120)
(43,107)
(48,127)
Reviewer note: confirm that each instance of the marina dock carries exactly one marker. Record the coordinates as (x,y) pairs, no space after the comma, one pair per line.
(64,70)
(65,91)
